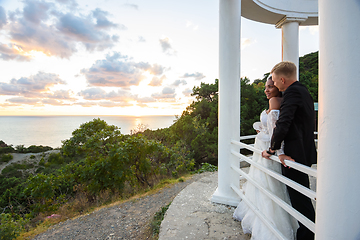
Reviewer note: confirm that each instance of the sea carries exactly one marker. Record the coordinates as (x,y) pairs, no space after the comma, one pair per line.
(51,130)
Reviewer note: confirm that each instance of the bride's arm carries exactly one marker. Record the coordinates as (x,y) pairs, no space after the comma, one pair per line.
(273,116)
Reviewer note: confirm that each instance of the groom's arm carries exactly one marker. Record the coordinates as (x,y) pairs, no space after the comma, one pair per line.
(289,105)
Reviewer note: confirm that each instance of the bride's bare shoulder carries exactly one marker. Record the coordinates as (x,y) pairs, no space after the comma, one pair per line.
(274,103)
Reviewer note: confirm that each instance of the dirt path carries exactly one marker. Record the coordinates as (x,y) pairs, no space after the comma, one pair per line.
(129,220)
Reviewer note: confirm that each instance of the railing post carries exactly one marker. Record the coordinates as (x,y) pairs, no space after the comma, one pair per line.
(338,188)
(229,99)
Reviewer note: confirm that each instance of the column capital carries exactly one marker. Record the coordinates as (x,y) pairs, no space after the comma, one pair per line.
(290,18)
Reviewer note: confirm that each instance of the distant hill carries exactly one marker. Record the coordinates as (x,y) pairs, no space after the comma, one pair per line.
(309,73)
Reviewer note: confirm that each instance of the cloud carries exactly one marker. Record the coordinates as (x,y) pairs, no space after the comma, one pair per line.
(187,92)
(28,36)
(167,92)
(157,81)
(60,94)
(33,86)
(83,30)
(101,94)
(42,26)
(3,19)
(117,71)
(197,75)
(71,3)
(119,98)
(36,12)
(154,69)
(93,94)
(86,104)
(35,90)
(113,104)
(102,21)
(9,52)
(22,100)
(178,82)
(166,46)
(53,102)
(134,6)
(103,104)
(145,100)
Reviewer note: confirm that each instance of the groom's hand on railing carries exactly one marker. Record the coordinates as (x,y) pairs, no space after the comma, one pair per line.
(284,157)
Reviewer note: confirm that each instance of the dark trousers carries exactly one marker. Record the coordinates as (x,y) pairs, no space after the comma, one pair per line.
(300,202)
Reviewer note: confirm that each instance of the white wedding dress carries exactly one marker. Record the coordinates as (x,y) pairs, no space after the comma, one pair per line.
(283,221)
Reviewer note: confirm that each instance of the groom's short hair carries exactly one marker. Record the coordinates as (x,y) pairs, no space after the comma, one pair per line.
(286,68)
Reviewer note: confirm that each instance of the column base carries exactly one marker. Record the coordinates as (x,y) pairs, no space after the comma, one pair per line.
(219,198)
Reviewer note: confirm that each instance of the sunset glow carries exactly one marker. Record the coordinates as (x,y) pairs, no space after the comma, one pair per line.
(78,57)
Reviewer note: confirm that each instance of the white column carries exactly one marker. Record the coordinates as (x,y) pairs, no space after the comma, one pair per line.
(290,38)
(290,42)
(229,99)
(338,183)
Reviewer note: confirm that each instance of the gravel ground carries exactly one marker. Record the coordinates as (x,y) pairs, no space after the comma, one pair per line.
(128,220)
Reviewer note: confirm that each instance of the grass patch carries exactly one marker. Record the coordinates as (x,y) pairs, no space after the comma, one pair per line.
(158,218)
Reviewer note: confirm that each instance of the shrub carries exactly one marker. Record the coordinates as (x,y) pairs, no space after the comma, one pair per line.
(39,170)
(20,149)
(207,167)
(6,157)
(12,171)
(10,228)
(4,148)
(42,161)
(37,149)
(55,158)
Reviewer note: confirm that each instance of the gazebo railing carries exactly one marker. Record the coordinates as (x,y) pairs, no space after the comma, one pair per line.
(298,187)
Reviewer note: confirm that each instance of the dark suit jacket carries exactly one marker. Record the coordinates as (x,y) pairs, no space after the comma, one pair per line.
(296,125)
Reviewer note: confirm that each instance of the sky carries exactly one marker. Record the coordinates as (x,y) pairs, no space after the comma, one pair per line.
(121,57)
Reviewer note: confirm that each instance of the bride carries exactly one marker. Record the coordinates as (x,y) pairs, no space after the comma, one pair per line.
(278,217)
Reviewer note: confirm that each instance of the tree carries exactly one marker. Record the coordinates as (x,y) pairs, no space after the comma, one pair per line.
(91,139)
(308,73)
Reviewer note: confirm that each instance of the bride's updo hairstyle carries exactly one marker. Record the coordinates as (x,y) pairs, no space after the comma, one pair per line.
(270,78)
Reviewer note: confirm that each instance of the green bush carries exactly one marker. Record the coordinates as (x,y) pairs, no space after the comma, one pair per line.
(10,228)
(207,167)
(32,149)
(4,148)
(55,158)
(42,161)
(40,170)
(6,157)
(12,171)
(28,166)
(38,149)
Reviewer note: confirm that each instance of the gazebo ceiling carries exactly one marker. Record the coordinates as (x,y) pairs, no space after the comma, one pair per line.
(273,11)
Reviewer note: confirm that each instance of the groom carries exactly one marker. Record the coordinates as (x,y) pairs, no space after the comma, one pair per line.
(295,127)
